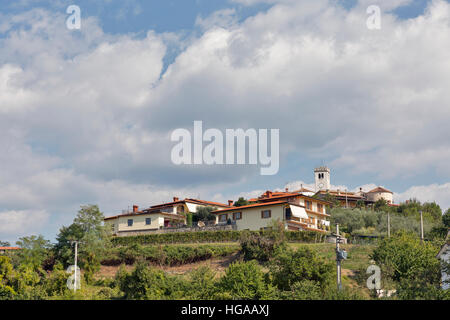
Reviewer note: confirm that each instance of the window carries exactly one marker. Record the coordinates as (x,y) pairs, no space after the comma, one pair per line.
(148,221)
(130,222)
(265,214)
(237,216)
(320,208)
(288,213)
(308,205)
(223,218)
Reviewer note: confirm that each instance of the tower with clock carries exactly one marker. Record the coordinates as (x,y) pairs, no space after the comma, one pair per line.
(322,178)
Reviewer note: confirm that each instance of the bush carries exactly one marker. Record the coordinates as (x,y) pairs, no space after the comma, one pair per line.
(202,283)
(169,255)
(209,236)
(244,281)
(411,264)
(290,267)
(303,290)
(262,246)
(150,284)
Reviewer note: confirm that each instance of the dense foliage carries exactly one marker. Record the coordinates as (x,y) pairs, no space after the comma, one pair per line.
(166,255)
(404,217)
(211,236)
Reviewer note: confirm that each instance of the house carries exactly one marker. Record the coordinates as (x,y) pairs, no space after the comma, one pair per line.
(295,210)
(444,256)
(348,199)
(4,250)
(380,193)
(167,215)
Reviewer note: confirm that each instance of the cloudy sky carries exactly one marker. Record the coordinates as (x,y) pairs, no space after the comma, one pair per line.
(86,115)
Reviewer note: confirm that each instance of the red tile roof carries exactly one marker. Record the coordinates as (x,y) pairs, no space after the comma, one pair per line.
(9,248)
(249,206)
(380,189)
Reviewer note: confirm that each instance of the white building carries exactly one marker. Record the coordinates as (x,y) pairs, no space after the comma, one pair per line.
(444,256)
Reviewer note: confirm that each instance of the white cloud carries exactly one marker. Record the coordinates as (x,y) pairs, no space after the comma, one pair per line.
(86,116)
(22,222)
(438,193)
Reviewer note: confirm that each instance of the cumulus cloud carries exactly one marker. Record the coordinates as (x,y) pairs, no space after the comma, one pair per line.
(86,116)
(22,222)
(438,193)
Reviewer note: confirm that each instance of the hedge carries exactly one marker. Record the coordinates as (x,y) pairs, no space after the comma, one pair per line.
(210,236)
(166,255)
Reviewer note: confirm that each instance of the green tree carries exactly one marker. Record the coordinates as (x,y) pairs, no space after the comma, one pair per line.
(244,281)
(203,283)
(446,218)
(35,250)
(381,205)
(289,267)
(241,202)
(4,244)
(204,214)
(410,263)
(264,245)
(94,240)
(6,274)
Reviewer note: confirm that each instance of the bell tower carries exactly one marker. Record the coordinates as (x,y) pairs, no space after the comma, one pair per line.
(322,178)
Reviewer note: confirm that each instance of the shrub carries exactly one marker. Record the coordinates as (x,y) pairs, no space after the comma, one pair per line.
(262,246)
(202,283)
(303,290)
(289,267)
(167,255)
(245,281)
(150,284)
(405,256)
(209,236)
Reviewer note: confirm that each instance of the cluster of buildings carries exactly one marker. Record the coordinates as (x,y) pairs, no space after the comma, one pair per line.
(301,209)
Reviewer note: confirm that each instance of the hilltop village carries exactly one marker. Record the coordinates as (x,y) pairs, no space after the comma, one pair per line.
(301,209)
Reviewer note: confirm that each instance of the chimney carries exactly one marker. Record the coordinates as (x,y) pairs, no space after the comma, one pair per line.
(230,202)
(360,189)
(269,194)
(175,199)
(135,208)
(338,192)
(286,190)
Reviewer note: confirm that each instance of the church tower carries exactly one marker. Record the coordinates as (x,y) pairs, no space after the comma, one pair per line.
(322,178)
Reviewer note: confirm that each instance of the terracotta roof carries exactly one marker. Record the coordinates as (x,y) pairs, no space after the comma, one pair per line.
(303,190)
(250,206)
(196,201)
(380,189)
(290,194)
(9,248)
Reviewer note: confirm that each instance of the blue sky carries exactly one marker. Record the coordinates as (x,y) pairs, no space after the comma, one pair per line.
(86,115)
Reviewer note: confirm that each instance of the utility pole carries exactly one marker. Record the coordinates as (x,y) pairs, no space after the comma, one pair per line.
(338,261)
(388,225)
(421,225)
(76,267)
(346,201)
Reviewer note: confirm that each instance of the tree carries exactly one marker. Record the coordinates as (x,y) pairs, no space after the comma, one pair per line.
(446,218)
(381,205)
(289,267)
(204,214)
(264,245)
(94,240)
(244,281)
(241,202)
(410,263)
(4,244)
(35,249)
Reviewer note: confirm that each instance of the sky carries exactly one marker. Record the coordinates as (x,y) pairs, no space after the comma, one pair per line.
(86,115)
